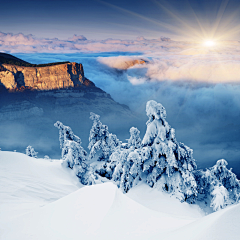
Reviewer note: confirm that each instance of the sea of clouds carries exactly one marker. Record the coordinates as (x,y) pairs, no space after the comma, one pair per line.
(198,86)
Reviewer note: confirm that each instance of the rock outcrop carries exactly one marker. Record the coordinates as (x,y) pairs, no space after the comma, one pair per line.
(65,75)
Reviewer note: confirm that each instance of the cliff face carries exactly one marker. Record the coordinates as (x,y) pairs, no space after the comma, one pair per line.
(65,75)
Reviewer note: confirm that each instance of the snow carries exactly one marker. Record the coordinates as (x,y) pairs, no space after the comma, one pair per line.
(27,183)
(220,225)
(40,199)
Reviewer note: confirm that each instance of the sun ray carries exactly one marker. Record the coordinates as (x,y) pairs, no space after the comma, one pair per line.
(198,21)
(194,29)
(174,15)
(219,17)
(161,24)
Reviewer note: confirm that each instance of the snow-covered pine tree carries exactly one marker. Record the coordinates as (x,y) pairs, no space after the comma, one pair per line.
(31,152)
(125,168)
(168,165)
(66,133)
(227,178)
(73,154)
(101,142)
(217,186)
(75,157)
(226,188)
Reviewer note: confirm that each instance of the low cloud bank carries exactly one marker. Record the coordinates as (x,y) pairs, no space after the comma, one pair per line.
(204,69)
(15,43)
(20,43)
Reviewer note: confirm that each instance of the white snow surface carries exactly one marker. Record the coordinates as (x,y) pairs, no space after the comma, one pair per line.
(40,199)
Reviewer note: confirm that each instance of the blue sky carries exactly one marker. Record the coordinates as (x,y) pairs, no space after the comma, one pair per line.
(123,19)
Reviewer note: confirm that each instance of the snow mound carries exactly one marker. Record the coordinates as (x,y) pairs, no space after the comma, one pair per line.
(93,212)
(28,183)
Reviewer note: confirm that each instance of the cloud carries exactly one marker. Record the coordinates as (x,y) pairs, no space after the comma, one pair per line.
(77,38)
(14,43)
(201,69)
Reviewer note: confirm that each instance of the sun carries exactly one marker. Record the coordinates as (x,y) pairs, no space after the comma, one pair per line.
(209,43)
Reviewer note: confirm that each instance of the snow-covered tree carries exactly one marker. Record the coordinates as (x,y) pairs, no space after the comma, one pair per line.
(101,142)
(168,164)
(125,168)
(75,157)
(227,179)
(73,154)
(65,133)
(31,152)
(217,186)
(124,164)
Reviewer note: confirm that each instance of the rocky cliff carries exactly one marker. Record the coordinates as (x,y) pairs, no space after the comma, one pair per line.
(65,75)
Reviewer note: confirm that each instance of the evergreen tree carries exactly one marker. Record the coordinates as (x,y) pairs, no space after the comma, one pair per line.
(65,133)
(73,154)
(168,164)
(227,179)
(124,164)
(126,168)
(217,186)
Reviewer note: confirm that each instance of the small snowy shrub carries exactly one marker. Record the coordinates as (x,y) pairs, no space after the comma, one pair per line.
(30,152)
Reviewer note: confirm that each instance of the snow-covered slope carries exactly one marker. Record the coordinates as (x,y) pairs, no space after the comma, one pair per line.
(28,183)
(39,199)
(220,225)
